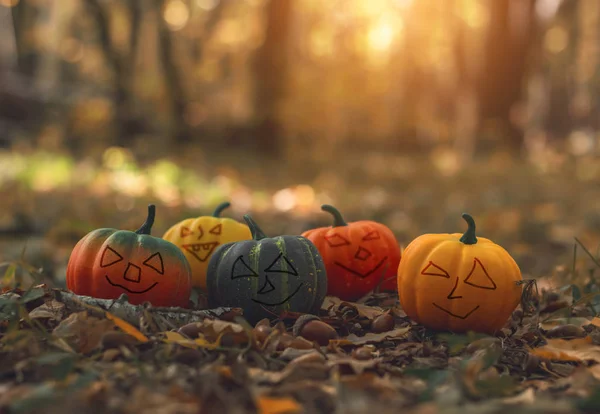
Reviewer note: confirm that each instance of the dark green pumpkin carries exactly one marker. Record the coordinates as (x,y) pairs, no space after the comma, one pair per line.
(267,276)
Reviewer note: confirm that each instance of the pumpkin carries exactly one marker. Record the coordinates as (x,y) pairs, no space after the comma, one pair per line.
(199,237)
(458,282)
(358,255)
(108,262)
(267,276)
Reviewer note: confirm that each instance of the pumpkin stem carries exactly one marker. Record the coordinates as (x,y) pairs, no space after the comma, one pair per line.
(257,233)
(338,220)
(220,208)
(147,226)
(469,236)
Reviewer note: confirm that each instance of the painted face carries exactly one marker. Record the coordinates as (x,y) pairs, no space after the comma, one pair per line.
(196,244)
(198,238)
(360,259)
(464,291)
(129,276)
(268,293)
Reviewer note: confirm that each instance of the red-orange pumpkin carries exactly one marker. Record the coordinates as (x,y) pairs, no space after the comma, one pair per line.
(358,255)
(108,262)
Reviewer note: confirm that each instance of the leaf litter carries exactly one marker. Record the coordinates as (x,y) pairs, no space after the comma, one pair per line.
(60,353)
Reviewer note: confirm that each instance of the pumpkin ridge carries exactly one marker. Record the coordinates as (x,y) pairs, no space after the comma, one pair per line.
(305,242)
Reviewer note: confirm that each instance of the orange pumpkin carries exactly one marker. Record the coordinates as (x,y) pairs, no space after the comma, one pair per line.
(358,255)
(199,237)
(108,262)
(458,282)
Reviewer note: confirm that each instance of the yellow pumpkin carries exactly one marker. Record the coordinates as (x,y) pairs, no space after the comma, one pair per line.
(199,237)
(458,282)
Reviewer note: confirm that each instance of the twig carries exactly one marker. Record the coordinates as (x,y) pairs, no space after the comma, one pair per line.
(132,313)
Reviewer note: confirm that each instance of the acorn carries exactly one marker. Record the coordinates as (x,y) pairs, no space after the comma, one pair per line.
(362,354)
(262,330)
(314,329)
(383,323)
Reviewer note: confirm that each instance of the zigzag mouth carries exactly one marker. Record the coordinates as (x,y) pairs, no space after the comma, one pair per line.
(200,251)
(363,275)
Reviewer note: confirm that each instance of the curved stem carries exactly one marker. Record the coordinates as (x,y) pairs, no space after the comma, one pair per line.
(338,220)
(147,226)
(469,236)
(257,233)
(220,208)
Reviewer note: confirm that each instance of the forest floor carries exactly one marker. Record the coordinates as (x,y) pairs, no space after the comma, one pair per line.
(63,354)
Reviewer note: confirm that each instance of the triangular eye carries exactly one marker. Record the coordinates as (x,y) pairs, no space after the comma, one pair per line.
(110,257)
(201,231)
(479,277)
(282,265)
(241,269)
(336,240)
(434,270)
(185,231)
(217,229)
(372,235)
(155,262)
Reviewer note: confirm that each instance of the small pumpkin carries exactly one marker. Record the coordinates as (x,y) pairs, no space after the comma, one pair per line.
(108,262)
(266,276)
(358,255)
(458,282)
(199,237)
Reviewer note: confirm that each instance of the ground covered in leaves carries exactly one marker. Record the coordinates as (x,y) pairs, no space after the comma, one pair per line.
(63,353)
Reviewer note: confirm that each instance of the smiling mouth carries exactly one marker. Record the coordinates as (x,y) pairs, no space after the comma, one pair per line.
(129,290)
(363,275)
(454,314)
(281,302)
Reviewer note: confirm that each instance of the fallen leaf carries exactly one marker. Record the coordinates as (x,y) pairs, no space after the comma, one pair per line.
(526,397)
(177,338)
(580,349)
(270,405)
(127,327)
(49,310)
(82,332)
(595,321)
(373,337)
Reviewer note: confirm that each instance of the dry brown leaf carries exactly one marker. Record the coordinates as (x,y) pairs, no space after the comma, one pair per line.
(271,405)
(373,337)
(177,338)
(49,310)
(369,312)
(580,349)
(595,321)
(127,327)
(82,332)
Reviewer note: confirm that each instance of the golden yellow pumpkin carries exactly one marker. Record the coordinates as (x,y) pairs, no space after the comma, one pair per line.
(458,282)
(199,237)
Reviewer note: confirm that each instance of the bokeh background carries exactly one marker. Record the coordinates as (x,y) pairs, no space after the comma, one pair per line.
(408,112)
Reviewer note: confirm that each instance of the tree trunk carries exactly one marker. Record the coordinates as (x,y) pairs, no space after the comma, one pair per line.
(270,76)
(510,35)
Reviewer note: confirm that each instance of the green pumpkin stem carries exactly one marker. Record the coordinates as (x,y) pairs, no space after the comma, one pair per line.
(469,236)
(338,220)
(257,233)
(220,208)
(147,226)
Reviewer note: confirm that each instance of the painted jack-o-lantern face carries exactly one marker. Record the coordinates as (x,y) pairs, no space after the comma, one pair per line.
(107,263)
(358,255)
(199,237)
(266,276)
(458,282)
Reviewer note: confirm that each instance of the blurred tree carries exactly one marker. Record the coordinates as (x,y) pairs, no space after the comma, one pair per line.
(121,66)
(510,35)
(271,76)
